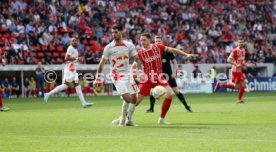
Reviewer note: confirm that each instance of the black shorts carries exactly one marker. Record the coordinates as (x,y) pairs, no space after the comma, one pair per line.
(172,83)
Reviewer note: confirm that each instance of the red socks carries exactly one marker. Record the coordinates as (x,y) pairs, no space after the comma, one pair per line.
(241,91)
(165,107)
(227,85)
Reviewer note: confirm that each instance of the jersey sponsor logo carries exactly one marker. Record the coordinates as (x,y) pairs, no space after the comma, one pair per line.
(123,57)
(240,58)
(152,58)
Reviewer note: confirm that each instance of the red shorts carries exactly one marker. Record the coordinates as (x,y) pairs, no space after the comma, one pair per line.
(145,88)
(237,77)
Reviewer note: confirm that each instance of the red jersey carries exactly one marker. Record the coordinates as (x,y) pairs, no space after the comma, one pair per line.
(239,56)
(152,60)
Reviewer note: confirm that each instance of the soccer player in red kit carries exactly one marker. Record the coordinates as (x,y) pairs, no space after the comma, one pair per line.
(237,59)
(3,60)
(150,55)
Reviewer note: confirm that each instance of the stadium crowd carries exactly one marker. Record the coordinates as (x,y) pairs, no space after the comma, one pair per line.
(39,30)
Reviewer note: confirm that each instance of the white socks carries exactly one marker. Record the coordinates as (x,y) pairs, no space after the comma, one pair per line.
(58,89)
(79,93)
(125,106)
(131,109)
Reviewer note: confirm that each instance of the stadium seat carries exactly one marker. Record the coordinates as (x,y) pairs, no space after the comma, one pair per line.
(63,54)
(92,42)
(62,30)
(55,54)
(84,42)
(26,54)
(37,48)
(59,48)
(34,54)
(52,48)
(70,30)
(44,48)
(40,54)
(3,29)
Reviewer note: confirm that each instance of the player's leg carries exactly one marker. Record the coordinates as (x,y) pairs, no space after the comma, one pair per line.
(2,107)
(225,85)
(166,105)
(131,109)
(57,89)
(181,97)
(79,91)
(127,101)
(128,112)
(236,77)
(152,102)
(144,90)
(241,91)
(121,87)
(128,94)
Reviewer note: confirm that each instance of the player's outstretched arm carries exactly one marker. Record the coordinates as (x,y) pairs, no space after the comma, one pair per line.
(179,52)
(175,67)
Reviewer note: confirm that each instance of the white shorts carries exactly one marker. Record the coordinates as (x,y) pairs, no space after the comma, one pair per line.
(70,76)
(125,86)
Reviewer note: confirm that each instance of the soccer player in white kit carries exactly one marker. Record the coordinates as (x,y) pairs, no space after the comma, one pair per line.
(118,52)
(70,74)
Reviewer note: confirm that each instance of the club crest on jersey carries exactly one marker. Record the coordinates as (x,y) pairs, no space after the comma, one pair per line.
(164,60)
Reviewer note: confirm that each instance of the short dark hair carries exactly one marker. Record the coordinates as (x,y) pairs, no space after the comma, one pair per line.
(117,27)
(241,38)
(146,35)
(158,37)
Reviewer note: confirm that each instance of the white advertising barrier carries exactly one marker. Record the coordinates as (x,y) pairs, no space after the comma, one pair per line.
(188,86)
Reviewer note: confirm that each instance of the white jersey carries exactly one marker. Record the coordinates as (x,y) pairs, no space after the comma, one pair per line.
(73,52)
(118,56)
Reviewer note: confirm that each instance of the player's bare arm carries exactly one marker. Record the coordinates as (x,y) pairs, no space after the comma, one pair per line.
(136,65)
(69,58)
(99,70)
(174,68)
(179,52)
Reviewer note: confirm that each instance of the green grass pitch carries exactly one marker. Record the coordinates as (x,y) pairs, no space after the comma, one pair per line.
(217,124)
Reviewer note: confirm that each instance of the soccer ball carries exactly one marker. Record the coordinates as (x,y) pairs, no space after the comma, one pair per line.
(158,92)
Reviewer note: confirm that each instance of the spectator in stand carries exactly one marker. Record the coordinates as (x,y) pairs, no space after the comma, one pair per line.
(196,72)
(32,83)
(253,71)
(202,25)
(89,57)
(6,86)
(40,71)
(65,39)
(15,87)
(27,87)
